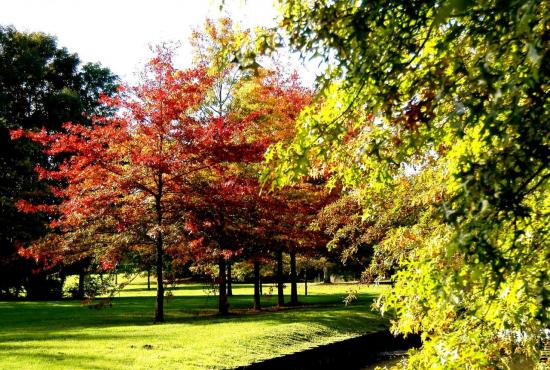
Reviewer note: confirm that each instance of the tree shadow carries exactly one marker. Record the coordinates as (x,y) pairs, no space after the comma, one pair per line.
(64,359)
(139,311)
(32,320)
(26,324)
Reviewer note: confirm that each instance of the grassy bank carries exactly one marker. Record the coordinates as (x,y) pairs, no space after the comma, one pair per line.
(63,334)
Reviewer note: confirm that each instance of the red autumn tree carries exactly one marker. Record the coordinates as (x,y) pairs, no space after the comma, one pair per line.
(226,215)
(281,219)
(285,215)
(128,175)
(226,195)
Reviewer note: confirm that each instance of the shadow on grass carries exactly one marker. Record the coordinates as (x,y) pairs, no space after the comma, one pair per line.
(65,326)
(68,360)
(30,321)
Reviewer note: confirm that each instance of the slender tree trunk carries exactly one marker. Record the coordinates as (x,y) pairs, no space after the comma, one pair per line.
(81,277)
(149,279)
(222,307)
(257,302)
(159,310)
(326,276)
(280,291)
(305,282)
(261,286)
(229,280)
(293,278)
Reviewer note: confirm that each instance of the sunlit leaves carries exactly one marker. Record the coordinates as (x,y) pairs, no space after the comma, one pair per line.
(462,85)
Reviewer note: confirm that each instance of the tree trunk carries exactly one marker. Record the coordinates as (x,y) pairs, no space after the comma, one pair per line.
(280,291)
(159,309)
(293,278)
(81,277)
(305,282)
(229,280)
(149,279)
(257,303)
(261,286)
(326,276)
(222,307)
(159,312)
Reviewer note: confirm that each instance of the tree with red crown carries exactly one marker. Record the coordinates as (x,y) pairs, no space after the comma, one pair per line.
(128,175)
(264,105)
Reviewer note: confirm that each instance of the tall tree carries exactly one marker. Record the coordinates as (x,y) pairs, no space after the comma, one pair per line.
(128,174)
(230,189)
(463,84)
(265,106)
(41,85)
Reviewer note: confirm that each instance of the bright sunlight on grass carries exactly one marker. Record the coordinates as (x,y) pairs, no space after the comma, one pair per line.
(63,334)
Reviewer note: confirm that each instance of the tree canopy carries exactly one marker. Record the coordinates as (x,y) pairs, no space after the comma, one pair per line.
(430,125)
(41,85)
(461,85)
(172,170)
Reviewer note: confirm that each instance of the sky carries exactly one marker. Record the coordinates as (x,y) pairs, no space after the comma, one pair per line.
(117,33)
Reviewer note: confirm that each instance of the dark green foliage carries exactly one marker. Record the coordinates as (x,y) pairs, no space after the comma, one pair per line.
(41,85)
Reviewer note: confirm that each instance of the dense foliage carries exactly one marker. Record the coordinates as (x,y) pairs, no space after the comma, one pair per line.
(173,170)
(41,85)
(431,121)
(232,218)
(456,87)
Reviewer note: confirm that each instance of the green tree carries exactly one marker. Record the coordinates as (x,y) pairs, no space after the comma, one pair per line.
(41,85)
(392,228)
(464,86)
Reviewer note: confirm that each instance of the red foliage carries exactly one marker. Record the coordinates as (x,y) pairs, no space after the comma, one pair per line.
(129,176)
(160,171)
(234,216)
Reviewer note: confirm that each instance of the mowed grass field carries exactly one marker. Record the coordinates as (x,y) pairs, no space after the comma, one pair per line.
(65,335)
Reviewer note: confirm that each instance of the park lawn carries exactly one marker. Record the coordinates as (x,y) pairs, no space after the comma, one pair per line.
(63,334)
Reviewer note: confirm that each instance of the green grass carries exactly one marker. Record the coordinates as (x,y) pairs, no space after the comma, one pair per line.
(63,334)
